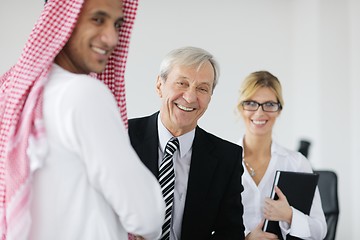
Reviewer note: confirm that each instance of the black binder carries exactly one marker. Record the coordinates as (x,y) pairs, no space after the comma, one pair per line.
(299,189)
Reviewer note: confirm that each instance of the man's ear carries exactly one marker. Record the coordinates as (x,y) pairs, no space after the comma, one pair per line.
(159,82)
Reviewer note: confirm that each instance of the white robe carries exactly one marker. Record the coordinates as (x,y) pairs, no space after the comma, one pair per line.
(91,185)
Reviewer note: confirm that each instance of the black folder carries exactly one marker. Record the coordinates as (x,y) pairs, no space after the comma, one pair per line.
(299,189)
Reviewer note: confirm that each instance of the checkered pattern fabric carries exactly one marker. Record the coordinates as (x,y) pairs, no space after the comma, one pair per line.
(21,94)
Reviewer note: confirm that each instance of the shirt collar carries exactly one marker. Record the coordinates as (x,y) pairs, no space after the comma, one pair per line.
(185,140)
(276,149)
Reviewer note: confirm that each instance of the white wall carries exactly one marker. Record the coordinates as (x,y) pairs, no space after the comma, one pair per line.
(354,42)
(17,18)
(313,46)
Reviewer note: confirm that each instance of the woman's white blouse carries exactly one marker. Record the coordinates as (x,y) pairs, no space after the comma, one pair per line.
(253,196)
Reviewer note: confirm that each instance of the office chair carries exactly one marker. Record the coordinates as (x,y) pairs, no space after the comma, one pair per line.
(304,147)
(328,189)
(329,199)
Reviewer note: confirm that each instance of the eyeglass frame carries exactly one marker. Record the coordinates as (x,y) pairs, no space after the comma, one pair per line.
(262,105)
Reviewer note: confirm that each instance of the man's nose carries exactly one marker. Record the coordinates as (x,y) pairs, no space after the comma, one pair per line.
(110,36)
(190,95)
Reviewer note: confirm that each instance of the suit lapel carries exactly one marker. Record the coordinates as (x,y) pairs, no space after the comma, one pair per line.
(147,148)
(203,166)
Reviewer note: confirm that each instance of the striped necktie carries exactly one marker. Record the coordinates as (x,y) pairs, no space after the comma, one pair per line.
(167,182)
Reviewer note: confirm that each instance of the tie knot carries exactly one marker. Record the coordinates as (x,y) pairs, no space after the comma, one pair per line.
(171,146)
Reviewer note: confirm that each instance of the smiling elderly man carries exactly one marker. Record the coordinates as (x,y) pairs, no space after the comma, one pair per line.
(200,174)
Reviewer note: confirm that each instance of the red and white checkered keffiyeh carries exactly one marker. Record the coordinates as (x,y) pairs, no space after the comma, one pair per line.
(21,93)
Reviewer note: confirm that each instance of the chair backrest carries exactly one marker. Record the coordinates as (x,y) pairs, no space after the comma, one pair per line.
(304,147)
(329,198)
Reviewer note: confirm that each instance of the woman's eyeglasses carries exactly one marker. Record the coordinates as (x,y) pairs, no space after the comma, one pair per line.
(266,106)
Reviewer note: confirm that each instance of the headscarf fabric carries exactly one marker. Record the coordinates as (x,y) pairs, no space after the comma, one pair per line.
(21,96)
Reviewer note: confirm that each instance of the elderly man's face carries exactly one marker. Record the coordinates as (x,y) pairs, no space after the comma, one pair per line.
(94,38)
(185,95)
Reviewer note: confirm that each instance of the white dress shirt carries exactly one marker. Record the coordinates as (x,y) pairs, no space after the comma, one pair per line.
(311,226)
(91,185)
(182,159)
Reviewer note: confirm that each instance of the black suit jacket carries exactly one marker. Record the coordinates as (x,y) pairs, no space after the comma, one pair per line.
(213,208)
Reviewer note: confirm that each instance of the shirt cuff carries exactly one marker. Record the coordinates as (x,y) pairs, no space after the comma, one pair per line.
(299,225)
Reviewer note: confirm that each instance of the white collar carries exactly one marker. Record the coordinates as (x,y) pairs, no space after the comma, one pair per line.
(275,147)
(185,140)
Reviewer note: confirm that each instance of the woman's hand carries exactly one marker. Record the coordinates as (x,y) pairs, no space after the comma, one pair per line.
(278,210)
(258,233)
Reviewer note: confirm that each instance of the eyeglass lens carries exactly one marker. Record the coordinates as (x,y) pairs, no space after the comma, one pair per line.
(266,106)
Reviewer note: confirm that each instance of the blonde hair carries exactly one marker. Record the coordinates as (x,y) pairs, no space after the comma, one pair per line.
(257,80)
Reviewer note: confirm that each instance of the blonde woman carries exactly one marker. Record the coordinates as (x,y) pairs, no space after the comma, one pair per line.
(260,104)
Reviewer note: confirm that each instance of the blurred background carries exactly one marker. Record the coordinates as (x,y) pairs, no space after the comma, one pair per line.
(312,46)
